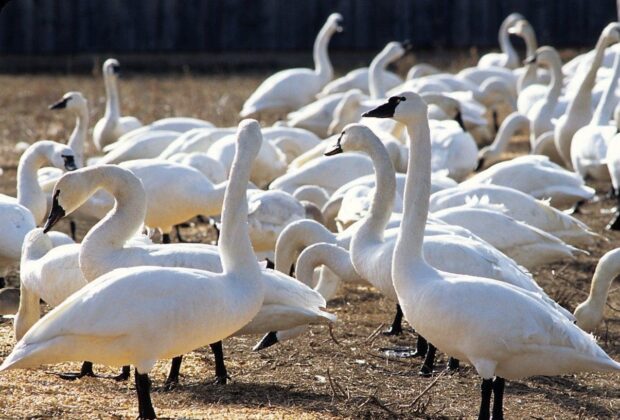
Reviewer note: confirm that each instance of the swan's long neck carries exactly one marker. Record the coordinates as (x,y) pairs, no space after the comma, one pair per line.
(333,257)
(29,193)
(78,136)
(555,84)
(581,105)
(505,133)
(377,67)
(234,244)
(28,313)
(373,225)
(122,222)
(530,75)
(506,45)
(408,247)
(606,272)
(605,108)
(112,106)
(36,245)
(294,238)
(322,64)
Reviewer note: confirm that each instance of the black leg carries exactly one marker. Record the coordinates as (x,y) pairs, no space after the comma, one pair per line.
(73,229)
(173,376)
(217,232)
(498,398)
(221,376)
(614,223)
(429,361)
(453,365)
(421,347)
(268,340)
(86,370)
(124,375)
(397,327)
(270,264)
(143,388)
(177,228)
(612,193)
(485,399)
(165,238)
(495,121)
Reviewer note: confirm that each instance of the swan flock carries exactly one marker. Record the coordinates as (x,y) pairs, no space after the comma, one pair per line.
(401,184)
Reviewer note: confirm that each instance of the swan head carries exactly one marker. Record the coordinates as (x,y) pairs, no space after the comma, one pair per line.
(111,67)
(588,317)
(407,108)
(334,21)
(73,101)
(61,156)
(354,137)
(520,28)
(611,33)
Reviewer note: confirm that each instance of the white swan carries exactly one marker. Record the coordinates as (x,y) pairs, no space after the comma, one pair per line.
(179,125)
(503,331)
(318,115)
(294,88)
(209,167)
(208,306)
(589,313)
(359,78)
(508,57)
(22,213)
(537,176)
(109,128)
(588,150)
(579,112)
(142,146)
(529,246)
(492,153)
(196,140)
(520,206)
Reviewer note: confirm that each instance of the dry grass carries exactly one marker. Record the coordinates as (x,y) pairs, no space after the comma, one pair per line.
(313,376)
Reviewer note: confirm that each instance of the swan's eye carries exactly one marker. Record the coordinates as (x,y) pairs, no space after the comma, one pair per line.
(402,98)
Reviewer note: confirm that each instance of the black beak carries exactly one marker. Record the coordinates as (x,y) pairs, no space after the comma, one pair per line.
(56,214)
(116,69)
(529,60)
(459,119)
(268,340)
(408,46)
(336,149)
(384,111)
(480,164)
(62,104)
(69,163)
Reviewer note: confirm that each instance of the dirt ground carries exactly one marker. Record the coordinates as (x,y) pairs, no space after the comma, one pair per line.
(317,375)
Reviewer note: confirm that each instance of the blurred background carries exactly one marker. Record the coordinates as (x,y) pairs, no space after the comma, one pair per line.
(216,35)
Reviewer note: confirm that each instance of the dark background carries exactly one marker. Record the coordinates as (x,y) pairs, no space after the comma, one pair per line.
(222,26)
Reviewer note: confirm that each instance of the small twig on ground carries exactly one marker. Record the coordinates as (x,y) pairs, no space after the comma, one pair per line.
(333,384)
(373,398)
(374,334)
(432,384)
(331,334)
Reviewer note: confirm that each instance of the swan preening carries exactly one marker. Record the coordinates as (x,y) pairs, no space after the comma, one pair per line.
(400,185)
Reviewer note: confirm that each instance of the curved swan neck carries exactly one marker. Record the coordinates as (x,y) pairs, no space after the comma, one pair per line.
(235,247)
(530,75)
(506,131)
(416,198)
(505,44)
(123,221)
(606,272)
(390,53)
(332,256)
(112,106)
(605,108)
(322,64)
(29,193)
(294,238)
(555,84)
(78,135)
(373,225)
